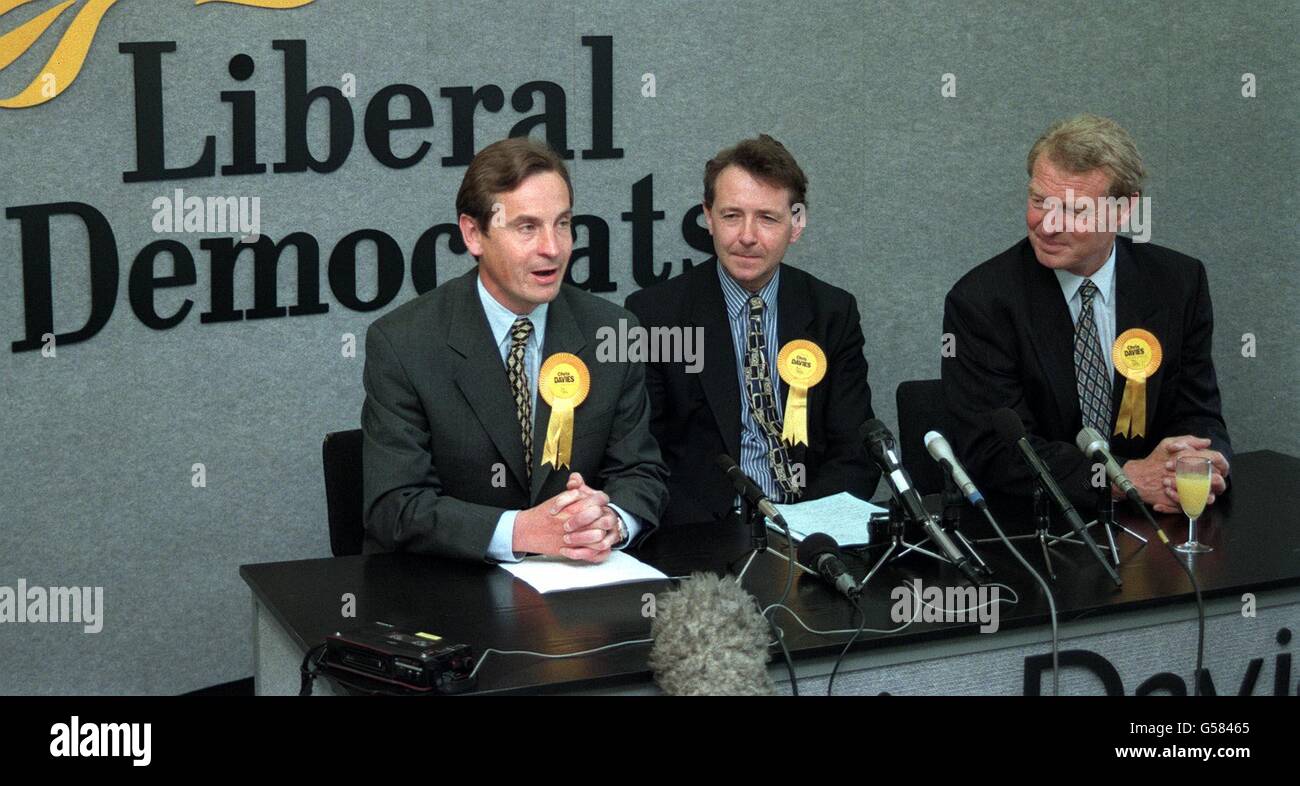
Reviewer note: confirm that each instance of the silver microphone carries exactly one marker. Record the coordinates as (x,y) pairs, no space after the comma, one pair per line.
(941,452)
(1095,447)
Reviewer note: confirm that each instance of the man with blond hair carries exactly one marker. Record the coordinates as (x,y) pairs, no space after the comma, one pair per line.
(1035,328)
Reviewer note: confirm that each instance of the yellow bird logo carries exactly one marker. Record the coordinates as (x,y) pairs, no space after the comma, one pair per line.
(70,53)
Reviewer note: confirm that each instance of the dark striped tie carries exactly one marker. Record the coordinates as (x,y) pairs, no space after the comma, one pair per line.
(762,401)
(515,369)
(1091,371)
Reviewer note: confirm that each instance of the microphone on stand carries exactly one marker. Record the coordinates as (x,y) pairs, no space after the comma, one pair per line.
(879,443)
(1008,425)
(822,552)
(747,488)
(1095,447)
(942,452)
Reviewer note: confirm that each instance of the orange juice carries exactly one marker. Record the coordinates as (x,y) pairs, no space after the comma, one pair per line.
(1192,492)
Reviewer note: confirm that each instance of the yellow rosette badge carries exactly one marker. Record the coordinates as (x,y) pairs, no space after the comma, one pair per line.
(1137,355)
(801,364)
(564,383)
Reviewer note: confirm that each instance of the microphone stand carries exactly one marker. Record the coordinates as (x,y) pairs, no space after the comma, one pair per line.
(896,521)
(1105,519)
(1043,524)
(898,538)
(1042,506)
(953,504)
(757,522)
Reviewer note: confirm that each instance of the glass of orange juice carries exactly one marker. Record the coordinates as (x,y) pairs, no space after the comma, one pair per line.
(1192,474)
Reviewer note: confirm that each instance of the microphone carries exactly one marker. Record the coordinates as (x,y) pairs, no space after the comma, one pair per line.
(942,452)
(1095,447)
(823,553)
(879,443)
(710,640)
(747,488)
(1008,426)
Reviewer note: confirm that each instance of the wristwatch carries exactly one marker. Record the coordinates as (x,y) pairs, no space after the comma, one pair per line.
(622,532)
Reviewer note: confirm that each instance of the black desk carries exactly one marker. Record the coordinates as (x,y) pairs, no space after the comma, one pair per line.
(1142,630)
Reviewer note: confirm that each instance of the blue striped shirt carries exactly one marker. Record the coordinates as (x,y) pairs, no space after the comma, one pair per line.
(753,442)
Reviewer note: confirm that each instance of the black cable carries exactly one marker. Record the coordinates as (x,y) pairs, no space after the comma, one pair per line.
(771,621)
(1196,587)
(310,668)
(1051,601)
(858,609)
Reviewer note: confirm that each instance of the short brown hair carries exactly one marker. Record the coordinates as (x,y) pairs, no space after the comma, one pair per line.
(765,159)
(498,169)
(1087,142)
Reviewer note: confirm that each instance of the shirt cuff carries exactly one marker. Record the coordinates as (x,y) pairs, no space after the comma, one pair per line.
(503,538)
(629,521)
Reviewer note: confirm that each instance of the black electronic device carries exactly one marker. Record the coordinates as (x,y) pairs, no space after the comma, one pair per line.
(416,660)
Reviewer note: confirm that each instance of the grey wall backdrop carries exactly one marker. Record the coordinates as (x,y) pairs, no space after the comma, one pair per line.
(909,189)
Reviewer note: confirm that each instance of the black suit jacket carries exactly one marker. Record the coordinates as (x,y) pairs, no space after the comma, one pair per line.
(695,417)
(1014,347)
(439,424)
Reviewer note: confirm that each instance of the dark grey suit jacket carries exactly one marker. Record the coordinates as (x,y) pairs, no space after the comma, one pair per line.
(439,424)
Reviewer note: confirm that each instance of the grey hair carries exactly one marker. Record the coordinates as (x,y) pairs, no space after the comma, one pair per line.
(1086,142)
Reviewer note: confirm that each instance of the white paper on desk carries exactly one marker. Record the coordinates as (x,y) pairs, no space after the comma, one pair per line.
(842,516)
(556,574)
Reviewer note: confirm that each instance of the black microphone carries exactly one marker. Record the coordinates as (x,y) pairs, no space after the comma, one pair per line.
(1012,431)
(822,552)
(747,488)
(879,443)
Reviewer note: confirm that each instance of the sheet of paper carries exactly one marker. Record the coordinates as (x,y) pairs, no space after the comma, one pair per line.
(842,516)
(555,574)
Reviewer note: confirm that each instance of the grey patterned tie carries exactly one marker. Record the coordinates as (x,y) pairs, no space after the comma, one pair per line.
(762,400)
(519,333)
(1091,371)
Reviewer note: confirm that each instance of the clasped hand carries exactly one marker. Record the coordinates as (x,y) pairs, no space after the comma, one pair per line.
(1154,476)
(577,524)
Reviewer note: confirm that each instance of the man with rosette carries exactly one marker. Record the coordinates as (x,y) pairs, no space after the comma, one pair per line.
(1075,326)
(459,380)
(783,384)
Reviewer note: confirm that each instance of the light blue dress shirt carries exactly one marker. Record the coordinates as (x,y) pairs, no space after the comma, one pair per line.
(753,442)
(500,320)
(1103,305)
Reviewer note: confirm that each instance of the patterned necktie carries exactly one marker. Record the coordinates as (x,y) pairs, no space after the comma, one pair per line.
(762,400)
(1090,369)
(519,333)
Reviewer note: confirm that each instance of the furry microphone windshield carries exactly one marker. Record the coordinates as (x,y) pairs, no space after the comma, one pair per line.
(710,640)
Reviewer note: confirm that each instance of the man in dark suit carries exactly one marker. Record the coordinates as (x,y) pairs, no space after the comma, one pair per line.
(456,460)
(1033,329)
(747,306)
